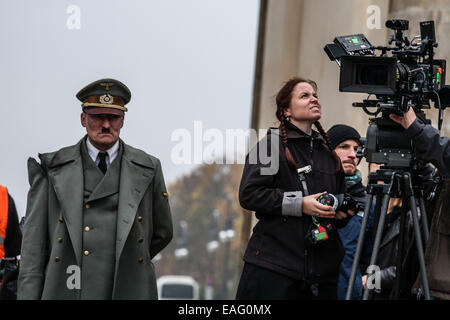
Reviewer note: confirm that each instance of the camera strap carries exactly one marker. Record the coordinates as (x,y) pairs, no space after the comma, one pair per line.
(301,176)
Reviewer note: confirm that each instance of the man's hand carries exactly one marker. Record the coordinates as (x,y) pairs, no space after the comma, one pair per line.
(406,120)
(364,281)
(313,207)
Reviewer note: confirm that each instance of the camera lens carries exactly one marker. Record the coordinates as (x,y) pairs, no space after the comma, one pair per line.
(328,199)
(373,75)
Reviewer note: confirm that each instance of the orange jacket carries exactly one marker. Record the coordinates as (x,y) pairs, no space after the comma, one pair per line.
(3,219)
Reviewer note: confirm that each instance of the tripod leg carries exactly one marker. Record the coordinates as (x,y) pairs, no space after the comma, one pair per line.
(423,216)
(359,247)
(395,293)
(377,241)
(420,251)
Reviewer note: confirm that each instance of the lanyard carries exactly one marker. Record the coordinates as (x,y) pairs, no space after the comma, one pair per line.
(307,169)
(301,175)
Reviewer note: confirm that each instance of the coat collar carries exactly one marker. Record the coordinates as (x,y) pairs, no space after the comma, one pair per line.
(109,182)
(293,131)
(65,169)
(136,173)
(63,156)
(72,153)
(295,134)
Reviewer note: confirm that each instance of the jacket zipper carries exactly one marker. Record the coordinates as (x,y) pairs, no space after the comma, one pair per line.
(308,272)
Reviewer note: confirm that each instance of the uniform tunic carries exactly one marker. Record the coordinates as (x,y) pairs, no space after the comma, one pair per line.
(129,223)
(101,199)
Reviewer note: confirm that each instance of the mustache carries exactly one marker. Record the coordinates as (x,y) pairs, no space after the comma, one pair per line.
(105,130)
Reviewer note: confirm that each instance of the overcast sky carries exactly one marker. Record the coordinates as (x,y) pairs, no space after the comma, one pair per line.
(183,60)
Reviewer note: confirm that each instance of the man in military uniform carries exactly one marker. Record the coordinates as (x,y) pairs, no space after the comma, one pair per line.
(97,212)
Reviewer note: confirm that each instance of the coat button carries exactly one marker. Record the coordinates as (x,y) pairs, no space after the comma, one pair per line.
(140,260)
(60,220)
(60,240)
(87,229)
(86,253)
(87,206)
(57,259)
(140,240)
(140,218)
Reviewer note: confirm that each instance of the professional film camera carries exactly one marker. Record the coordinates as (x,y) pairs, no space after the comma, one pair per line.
(410,77)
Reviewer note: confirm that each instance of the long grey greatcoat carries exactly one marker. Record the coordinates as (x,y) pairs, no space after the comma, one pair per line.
(53,229)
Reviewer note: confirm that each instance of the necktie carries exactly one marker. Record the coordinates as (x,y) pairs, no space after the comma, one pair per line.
(102,163)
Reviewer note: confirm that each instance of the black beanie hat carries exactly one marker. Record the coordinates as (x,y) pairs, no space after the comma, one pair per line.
(341,132)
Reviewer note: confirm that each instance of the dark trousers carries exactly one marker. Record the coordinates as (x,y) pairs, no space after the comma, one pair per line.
(258,283)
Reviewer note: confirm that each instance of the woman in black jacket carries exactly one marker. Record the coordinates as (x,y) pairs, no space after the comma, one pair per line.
(283,259)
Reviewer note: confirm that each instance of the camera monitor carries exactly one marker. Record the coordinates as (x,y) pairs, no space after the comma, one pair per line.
(373,75)
(427,30)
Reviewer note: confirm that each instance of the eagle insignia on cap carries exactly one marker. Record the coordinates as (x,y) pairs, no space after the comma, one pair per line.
(107,85)
(106,99)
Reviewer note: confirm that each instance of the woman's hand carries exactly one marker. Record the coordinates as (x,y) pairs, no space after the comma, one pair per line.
(312,207)
(364,281)
(342,215)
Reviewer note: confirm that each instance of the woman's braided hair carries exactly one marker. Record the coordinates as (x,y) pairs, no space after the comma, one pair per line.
(283,100)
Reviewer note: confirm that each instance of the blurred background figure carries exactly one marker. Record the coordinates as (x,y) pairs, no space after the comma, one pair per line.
(345,141)
(437,253)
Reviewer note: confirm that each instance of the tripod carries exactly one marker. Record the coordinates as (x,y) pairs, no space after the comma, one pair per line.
(395,181)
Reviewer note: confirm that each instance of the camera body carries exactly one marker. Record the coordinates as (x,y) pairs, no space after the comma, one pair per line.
(349,203)
(409,78)
(319,233)
(342,202)
(410,75)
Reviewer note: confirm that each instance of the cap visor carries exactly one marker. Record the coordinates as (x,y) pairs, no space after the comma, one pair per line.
(95,110)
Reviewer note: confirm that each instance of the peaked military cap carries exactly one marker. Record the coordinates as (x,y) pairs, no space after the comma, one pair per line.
(104,96)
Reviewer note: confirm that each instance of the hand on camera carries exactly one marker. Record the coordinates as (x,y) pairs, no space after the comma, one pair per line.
(312,207)
(364,281)
(342,215)
(406,120)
